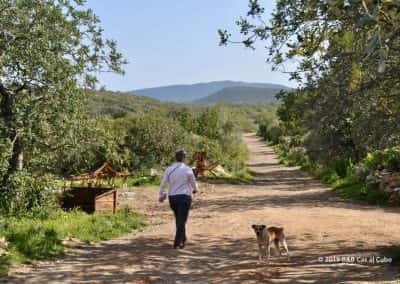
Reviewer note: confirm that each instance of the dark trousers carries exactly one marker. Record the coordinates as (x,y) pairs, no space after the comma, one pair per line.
(180,204)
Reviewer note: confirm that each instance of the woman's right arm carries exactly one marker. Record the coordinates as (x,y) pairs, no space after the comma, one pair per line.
(163,184)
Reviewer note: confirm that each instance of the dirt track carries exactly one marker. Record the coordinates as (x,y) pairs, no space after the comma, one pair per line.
(221,247)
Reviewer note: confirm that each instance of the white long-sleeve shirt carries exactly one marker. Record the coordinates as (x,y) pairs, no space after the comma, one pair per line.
(180,178)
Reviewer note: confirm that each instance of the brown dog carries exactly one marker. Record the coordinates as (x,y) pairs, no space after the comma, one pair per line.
(265,237)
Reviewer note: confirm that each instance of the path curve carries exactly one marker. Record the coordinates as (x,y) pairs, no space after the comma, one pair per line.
(221,246)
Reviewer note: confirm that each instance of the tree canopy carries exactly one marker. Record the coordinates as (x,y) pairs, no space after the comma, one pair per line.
(50,52)
(346,58)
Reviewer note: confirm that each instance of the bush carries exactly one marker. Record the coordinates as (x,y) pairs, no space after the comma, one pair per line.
(153,140)
(28,195)
(295,156)
(343,166)
(219,134)
(387,159)
(274,133)
(268,127)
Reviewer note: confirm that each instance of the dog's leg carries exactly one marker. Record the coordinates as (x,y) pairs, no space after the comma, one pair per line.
(268,251)
(276,244)
(283,242)
(264,251)
(260,252)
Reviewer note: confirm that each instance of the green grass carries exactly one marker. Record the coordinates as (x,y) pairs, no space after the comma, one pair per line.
(34,239)
(144,181)
(350,188)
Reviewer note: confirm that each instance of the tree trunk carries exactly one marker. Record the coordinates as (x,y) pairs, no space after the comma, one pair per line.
(15,161)
(21,161)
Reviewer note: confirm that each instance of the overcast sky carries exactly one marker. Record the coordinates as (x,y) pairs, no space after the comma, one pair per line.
(176,42)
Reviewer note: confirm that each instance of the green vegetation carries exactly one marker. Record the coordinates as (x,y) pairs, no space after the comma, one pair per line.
(118,104)
(341,177)
(268,125)
(342,123)
(140,141)
(49,53)
(35,239)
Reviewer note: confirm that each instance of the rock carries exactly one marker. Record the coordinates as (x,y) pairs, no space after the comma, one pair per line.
(3,252)
(72,242)
(126,195)
(154,173)
(3,246)
(361,172)
(373,180)
(3,243)
(390,184)
(220,170)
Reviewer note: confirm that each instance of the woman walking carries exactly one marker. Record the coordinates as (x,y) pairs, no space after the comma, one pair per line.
(182,183)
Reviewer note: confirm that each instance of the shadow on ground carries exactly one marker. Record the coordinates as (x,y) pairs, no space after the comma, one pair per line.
(205,260)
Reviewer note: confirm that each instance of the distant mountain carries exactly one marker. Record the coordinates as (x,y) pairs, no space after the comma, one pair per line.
(241,95)
(194,92)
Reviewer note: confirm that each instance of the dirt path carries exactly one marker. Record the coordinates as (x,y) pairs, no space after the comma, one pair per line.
(221,246)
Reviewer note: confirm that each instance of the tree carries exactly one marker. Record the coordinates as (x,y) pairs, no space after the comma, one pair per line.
(348,55)
(50,52)
(152,139)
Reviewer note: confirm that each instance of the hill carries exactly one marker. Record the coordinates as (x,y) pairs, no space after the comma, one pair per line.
(194,92)
(241,95)
(118,104)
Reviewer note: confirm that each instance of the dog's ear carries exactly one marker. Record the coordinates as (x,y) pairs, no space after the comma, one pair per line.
(253,226)
(263,226)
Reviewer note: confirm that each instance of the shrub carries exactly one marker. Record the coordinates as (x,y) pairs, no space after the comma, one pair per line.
(268,127)
(274,133)
(153,139)
(387,159)
(219,134)
(29,195)
(343,166)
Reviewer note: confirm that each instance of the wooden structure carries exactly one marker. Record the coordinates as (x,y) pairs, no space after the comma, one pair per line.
(104,172)
(201,165)
(90,196)
(90,199)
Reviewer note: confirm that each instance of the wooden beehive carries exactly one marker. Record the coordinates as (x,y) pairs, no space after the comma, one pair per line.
(106,202)
(90,199)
